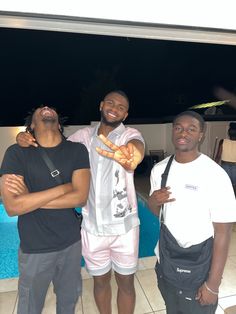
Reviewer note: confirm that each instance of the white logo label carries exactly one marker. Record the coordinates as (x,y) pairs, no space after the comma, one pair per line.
(179,270)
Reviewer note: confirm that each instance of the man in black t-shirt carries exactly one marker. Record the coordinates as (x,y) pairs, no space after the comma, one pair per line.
(49,230)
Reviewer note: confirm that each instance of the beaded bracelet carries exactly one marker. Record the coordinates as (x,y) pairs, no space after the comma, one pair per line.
(209,289)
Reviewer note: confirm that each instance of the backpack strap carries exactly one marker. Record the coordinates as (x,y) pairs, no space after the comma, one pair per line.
(52,168)
(166,171)
(163,181)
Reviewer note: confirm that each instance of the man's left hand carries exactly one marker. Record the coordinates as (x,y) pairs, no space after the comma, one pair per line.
(205,297)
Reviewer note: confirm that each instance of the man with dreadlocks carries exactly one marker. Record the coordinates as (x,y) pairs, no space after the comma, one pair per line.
(110,229)
(50,244)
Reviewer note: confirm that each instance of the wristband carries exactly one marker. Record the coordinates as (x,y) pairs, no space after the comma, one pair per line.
(209,289)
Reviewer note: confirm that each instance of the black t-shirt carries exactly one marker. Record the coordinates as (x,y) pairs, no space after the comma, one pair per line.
(46,230)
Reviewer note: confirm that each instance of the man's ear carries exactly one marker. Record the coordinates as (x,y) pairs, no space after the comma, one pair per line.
(201,137)
(101,105)
(126,115)
(31,128)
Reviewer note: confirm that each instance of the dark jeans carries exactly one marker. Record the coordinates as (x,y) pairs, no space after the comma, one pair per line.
(178,301)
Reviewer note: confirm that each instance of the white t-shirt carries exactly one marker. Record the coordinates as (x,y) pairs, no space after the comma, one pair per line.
(203,193)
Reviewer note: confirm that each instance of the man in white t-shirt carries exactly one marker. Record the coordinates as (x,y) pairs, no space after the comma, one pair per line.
(198,207)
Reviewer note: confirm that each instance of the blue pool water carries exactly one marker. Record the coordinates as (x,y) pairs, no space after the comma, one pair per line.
(9,245)
(9,239)
(149,230)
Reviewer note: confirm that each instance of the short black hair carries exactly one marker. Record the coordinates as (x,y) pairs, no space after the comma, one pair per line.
(192,114)
(29,117)
(120,92)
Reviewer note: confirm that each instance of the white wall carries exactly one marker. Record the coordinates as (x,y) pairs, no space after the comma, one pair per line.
(200,13)
(157,136)
(205,21)
(7,138)
(215,131)
(154,135)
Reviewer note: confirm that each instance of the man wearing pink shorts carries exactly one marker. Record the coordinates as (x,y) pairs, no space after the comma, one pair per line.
(110,228)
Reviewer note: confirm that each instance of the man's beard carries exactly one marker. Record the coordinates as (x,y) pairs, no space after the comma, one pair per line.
(49,119)
(112,124)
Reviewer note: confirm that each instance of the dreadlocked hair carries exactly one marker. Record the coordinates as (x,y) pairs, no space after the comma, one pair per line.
(29,117)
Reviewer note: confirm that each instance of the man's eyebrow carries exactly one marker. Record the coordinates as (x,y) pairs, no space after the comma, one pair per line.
(120,104)
(191,125)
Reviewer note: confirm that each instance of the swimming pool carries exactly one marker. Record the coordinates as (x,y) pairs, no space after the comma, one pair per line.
(149,229)
(9,245)
(149,233)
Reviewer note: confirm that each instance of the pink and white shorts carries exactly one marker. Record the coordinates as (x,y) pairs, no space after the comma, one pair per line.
(120,252)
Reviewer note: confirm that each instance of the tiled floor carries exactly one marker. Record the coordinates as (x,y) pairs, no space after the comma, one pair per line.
(149,299)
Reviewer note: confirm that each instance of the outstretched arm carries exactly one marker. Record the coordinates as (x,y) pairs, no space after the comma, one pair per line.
(128,156)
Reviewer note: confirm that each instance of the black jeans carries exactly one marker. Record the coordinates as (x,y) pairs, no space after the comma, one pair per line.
(179,301)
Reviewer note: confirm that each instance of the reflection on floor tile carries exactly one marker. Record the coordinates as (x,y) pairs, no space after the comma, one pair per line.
(142,303)
(7,285)
(88,303)
(85,274)
(228,285)
(232,247)
(219,310)
(227,302)
(147,262)
(7,302)
(147,280)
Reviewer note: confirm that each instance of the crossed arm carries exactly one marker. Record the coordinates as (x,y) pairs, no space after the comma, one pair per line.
(18,201)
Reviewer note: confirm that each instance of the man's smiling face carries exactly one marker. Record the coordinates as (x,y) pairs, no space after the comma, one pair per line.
(114,109)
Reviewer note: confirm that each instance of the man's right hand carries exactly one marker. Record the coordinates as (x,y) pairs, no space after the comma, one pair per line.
(158,198)
(162,196)
(25,139)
